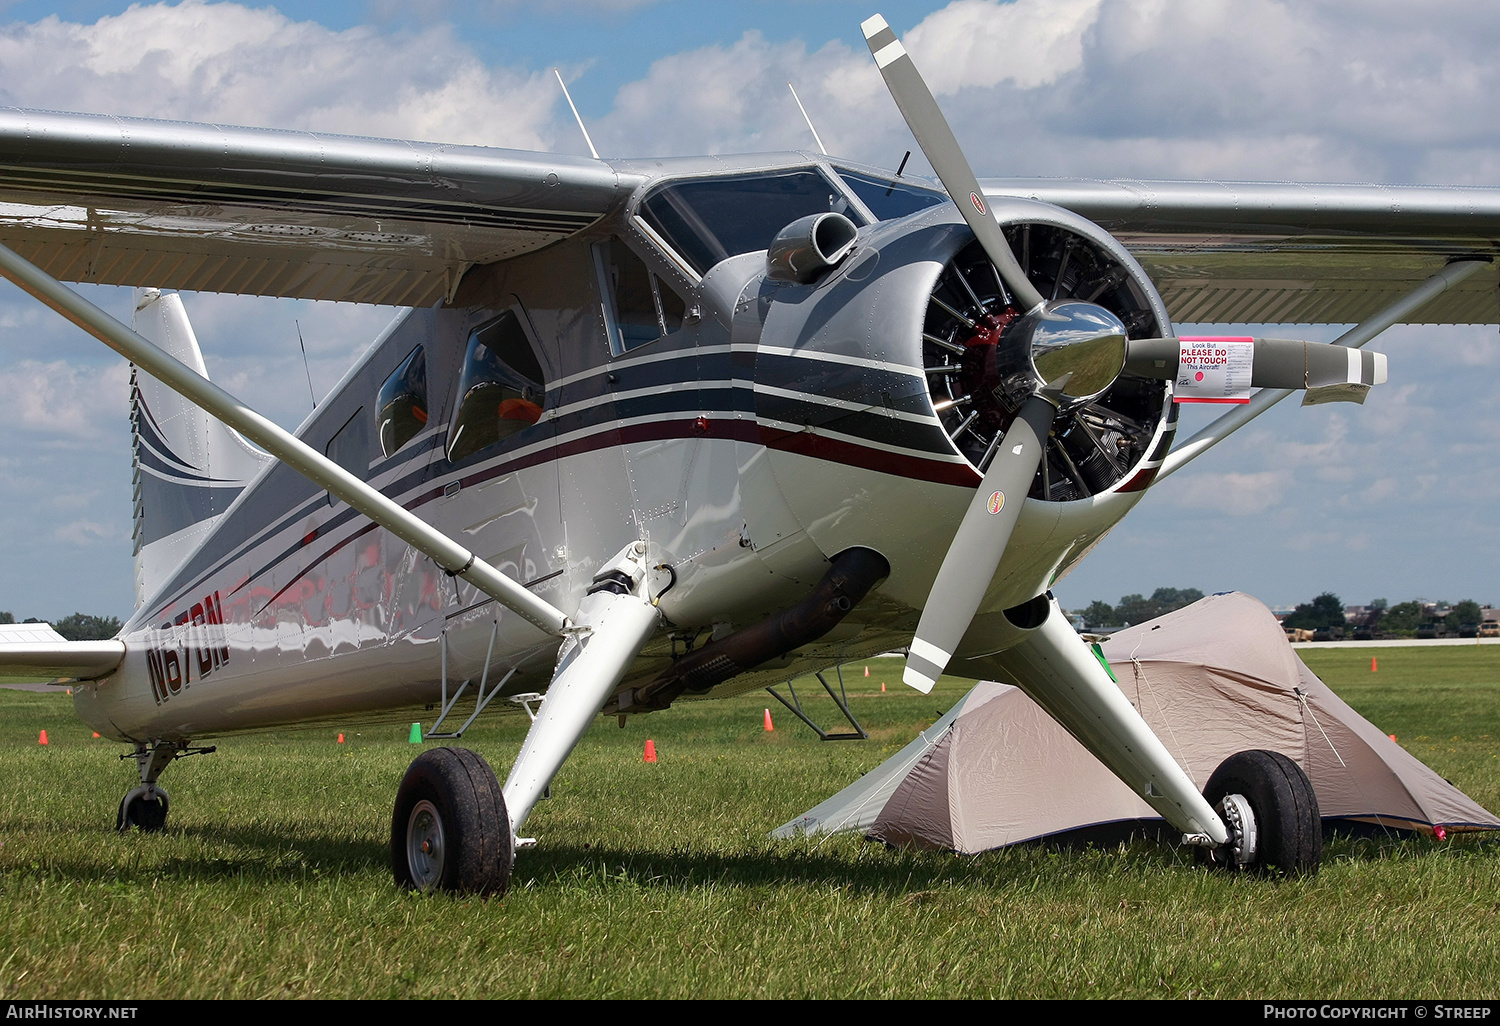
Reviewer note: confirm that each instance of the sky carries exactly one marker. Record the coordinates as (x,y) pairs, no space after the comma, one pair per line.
(1395,499)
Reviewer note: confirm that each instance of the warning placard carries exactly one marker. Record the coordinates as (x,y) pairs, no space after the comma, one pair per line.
(1213,369)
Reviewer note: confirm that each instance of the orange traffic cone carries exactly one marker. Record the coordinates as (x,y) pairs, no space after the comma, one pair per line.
(43,739)
(96,733)
(867,671)
(769,725)
(341,739)
(882,687)
(1374,666)
(1393,737)
(650,755)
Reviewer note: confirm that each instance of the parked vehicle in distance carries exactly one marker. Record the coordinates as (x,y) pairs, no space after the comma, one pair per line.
(1490,629)
(1468,630)
(1427,630)
(1363,633)
(1298,634)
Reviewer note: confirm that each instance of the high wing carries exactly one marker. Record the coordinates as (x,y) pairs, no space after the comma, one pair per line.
(1252,253)
(126,201)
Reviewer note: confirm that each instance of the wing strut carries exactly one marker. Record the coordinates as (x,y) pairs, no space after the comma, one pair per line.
(1354,338)
(446,553)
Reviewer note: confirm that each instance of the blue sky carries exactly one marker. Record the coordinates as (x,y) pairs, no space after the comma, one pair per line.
(1395,499)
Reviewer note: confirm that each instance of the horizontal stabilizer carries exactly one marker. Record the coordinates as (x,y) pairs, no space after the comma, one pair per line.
(34,652)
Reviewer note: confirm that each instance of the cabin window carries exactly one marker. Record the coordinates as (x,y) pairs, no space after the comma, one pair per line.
(638,306)
(402,403)
(707,220)
(350,447)
(888,199)
(500,391)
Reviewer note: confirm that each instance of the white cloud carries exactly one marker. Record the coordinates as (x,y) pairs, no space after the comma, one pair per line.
(232,64)
(1236,494)
(976,44)
(57,398)
(85,532)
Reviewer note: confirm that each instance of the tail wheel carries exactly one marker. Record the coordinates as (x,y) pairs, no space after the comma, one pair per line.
(450,830)
(144,807)
(1272,813)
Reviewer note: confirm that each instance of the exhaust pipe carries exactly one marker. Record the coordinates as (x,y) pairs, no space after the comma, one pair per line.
(853,573)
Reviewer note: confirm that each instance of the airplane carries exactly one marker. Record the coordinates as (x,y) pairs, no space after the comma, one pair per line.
(662,430)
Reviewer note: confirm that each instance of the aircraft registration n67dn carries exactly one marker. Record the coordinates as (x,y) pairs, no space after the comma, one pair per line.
(655,430)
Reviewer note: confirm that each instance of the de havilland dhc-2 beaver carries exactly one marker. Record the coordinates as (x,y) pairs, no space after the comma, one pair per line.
(664,429)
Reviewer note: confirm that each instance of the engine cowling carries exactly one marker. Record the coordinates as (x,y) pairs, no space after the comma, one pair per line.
(982,360)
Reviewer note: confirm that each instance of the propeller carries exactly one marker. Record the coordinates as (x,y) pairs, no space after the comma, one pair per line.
(1276,362)
(937,141)
(1056,356)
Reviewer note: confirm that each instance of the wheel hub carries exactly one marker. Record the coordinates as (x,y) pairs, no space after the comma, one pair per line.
(1243,844)
(424,846)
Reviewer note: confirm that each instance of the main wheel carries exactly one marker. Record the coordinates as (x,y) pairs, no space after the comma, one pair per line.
(144,807)
(450,830)
(1272,813)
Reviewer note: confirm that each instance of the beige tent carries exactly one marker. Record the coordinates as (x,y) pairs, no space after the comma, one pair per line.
(1215,678)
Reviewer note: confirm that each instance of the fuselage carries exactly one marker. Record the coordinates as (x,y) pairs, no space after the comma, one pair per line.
(643,379)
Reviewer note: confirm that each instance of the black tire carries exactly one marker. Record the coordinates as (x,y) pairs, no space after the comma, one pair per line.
(147,813)
(451,799)
(1287,821)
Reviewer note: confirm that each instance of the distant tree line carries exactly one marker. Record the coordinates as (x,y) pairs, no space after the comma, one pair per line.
(78,626)
(1402,619)
(1325,611)
(1138,608)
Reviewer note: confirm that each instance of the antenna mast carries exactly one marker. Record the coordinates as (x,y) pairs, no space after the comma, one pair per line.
(576,116)
(810,127)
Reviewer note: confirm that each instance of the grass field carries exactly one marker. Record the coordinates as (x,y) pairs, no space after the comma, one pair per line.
(272,878)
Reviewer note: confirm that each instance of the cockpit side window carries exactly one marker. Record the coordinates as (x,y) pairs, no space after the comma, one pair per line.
(402,403)
(500,390)
(889,199)
(638,306)
(707,220)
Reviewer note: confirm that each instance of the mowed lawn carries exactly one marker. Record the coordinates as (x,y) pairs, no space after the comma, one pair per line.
(272,878)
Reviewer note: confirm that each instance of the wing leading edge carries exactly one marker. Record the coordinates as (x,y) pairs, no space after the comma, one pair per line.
(126,201)
(1284,253)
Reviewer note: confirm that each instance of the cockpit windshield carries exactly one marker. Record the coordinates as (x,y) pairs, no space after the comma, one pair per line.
(888,199)
(707,220)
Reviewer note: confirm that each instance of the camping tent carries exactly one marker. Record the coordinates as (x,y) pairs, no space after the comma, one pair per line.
(1212,679)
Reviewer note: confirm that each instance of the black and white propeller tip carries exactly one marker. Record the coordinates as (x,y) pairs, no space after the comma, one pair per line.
(941,148)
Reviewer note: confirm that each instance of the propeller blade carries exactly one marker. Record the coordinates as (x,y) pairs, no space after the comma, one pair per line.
(979,544)
(932,133)
(1278,362)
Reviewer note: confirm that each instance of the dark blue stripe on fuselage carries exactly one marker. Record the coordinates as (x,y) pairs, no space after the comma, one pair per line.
(881,390)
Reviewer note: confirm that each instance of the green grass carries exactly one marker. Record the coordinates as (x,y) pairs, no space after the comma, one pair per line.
(273,879)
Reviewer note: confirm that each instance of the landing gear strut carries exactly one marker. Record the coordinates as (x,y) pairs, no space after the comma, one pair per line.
(1269,806)
(454,827)
(146,806)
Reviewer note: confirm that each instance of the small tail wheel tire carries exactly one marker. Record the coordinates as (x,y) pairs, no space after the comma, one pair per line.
(145,808)
(449,830)
(1272,813)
